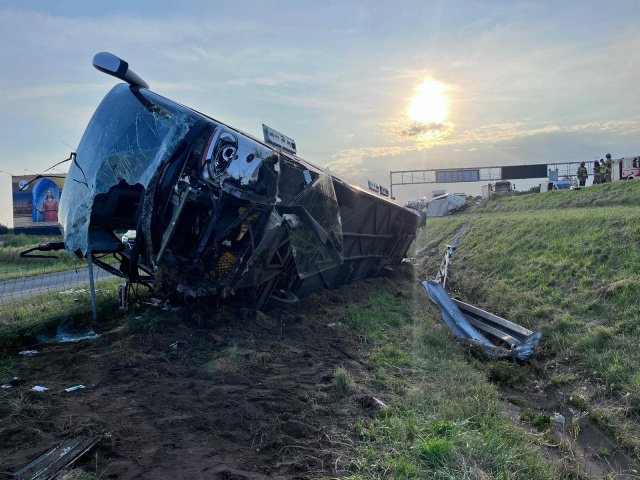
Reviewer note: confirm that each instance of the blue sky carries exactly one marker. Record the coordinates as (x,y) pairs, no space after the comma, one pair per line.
(525,82)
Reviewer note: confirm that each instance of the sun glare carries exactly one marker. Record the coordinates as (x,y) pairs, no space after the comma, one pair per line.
(430,104)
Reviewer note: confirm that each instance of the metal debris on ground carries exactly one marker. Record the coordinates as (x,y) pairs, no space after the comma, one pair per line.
(47,465)
(73,389)
(465,320)
(29,353)
(443,271)
(459,324)
(38,388)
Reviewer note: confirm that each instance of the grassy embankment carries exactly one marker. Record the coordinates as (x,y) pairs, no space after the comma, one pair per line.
(568,264)
(445,420)
(22,320)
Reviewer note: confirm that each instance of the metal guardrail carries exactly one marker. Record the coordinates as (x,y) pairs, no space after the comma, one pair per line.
(42,281)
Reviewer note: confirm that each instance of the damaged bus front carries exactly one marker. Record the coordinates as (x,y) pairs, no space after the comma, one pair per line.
(215,210)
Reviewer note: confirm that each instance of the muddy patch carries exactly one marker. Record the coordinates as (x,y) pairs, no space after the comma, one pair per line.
(228,394)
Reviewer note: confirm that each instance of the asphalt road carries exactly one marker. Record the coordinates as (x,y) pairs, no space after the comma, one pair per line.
(27,287)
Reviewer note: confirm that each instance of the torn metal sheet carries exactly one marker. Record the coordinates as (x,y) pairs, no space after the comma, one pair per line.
(215,210)
(48,464)
(459,323)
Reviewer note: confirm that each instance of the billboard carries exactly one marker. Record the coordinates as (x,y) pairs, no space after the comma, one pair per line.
(457,175)
(517,172)
(36,200)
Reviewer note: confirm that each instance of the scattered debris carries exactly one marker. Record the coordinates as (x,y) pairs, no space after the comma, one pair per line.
(38,388)
(29,353)
(335,324)
(459,324)
(445,204)
(48,464)
(559,419)
(77,291)
(6,385)
(462,318)
(72,389)
(369,402)
(68,332)
(16,381)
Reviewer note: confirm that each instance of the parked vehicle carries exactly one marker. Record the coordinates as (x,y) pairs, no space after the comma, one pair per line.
(555,185)
(626,168)
(499,188)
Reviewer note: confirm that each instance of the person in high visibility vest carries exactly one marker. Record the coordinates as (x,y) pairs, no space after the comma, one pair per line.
(608,168)
(596,172)
(603,171)
(582,174)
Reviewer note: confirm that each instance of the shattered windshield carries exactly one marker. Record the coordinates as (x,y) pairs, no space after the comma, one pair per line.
(131,133)
(313,252)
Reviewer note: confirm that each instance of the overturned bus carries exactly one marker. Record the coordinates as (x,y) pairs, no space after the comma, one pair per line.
(215,210)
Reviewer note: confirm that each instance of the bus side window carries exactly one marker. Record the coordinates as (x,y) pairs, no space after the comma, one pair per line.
(625,163)
(636,162)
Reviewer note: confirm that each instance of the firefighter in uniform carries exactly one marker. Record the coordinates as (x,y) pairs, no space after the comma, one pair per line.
(603,171)
(609,167)
(596,172)
(582,174)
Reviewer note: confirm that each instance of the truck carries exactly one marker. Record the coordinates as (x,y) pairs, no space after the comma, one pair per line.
(626,168)
(499,188)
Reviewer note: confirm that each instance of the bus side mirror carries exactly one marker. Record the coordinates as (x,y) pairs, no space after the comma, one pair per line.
(111,65)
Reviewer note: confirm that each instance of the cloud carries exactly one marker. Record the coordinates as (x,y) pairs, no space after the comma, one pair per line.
(351,161)
(425,135)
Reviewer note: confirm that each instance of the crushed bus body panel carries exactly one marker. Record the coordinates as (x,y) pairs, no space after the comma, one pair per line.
(217,211)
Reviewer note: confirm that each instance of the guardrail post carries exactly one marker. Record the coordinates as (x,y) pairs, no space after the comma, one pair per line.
(91,284)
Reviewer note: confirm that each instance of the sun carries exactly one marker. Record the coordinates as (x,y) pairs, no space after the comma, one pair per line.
(430,104)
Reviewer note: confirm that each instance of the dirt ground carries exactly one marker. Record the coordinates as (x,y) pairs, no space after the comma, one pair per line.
(222,394)
(229,393)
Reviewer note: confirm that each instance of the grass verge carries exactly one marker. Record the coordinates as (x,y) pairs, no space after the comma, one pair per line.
(21,321)
(549,263)
(445,419)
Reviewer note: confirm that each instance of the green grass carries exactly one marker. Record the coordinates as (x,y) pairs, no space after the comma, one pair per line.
(21,321)
(13,266)
(568,264)
(623,194)
(342,381)
(445,419)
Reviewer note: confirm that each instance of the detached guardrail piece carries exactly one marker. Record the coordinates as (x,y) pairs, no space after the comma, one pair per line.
(462,318)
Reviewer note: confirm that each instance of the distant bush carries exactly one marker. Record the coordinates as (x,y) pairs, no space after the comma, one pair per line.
(20,240)
(3,229)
